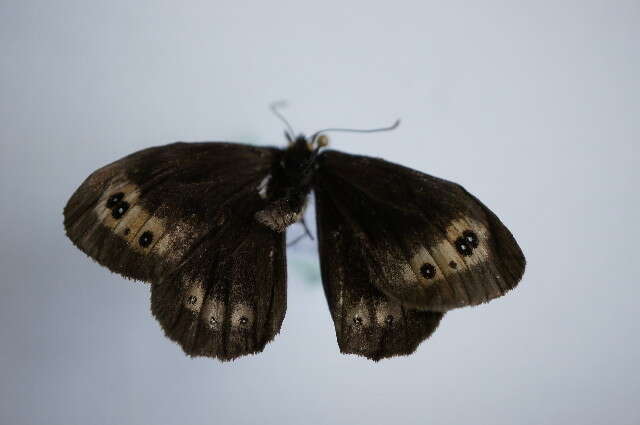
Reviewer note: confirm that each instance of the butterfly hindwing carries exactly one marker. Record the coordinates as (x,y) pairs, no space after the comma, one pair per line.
(367,322)
(433,245)
(182,217)
(228,299)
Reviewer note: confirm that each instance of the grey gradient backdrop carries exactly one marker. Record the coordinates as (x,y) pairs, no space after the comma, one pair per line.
(532,106)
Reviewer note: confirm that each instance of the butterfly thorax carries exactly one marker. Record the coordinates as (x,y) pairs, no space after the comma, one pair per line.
(288,186)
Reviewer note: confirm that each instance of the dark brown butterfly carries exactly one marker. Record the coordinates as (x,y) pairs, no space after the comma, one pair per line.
(205,224)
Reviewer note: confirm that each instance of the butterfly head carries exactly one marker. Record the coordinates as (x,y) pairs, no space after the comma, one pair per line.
(314,143)
(301,154)
(319,141)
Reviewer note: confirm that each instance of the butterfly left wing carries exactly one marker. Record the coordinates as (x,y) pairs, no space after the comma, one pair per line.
(182,217)
(431,244)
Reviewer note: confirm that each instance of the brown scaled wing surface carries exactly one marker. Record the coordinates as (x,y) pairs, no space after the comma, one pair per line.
(398,248)
(181,217)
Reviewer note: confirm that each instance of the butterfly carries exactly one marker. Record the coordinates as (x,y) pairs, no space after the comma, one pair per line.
(205,224)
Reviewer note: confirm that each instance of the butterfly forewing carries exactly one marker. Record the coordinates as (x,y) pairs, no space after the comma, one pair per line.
(181,217)
(433,245)
(140,215)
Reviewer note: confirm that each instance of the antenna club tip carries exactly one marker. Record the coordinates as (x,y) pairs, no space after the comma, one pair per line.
(279,104)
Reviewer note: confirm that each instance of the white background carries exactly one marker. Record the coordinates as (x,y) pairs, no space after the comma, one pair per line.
(532,106)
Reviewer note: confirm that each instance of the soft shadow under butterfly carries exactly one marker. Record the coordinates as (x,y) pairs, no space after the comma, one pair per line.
(205,224)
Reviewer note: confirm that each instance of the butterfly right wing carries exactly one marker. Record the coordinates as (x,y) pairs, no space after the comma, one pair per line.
(367,322)
(181,216)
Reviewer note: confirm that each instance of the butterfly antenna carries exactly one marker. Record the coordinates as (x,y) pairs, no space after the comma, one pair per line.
(274,108)
(356,130)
